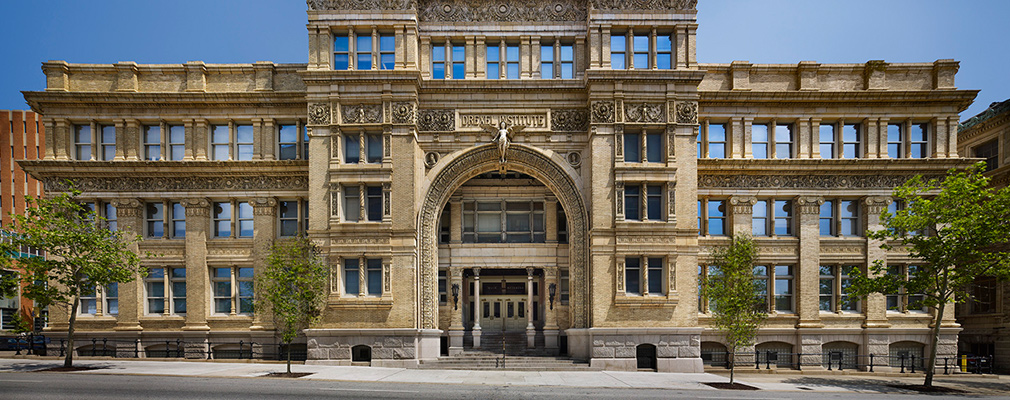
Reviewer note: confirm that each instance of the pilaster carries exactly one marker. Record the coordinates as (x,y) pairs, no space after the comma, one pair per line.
(742,214)
(197,273)
(264,232)
(129,215)
(876,303)
(809,208)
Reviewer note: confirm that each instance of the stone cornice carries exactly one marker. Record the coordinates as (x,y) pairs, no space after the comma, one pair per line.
(964,134)
(43,101)
(863,166)
(961,98)
(73,169)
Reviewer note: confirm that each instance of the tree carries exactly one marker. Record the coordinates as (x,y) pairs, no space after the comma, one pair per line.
(82,254)
(958,228)
(737,304)
(294,286)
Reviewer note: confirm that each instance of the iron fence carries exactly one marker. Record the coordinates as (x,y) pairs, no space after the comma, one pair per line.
(840,361)
(179,348)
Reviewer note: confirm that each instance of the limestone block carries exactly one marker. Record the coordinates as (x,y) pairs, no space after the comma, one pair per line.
(126,350)
(624,352)
(392,342)
(603,352)
(598,343)
(340,353)
(404,353)
(615,343)
(689,352)
(667,352)
(313,354)
(382,353)
(196,351)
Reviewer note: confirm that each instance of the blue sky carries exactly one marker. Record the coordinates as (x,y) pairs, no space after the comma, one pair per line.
(760,31)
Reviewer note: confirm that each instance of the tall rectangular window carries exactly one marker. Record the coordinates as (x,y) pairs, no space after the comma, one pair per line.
(852,140)
(761,276)
(220,142)
(632,275)
(292,216)
(352,149)
(847,301)
(221,279)
(352,209)
(783,217)
(990,152)
(245,219)
(363,50)
(222,219)
(512,62)
(919,141)
(438,60)
(111,295)
(783,288)
(664,52)
(827,289)
(759,141)
(895,141)
(387,52)
(351,279)
(655,275)
(715,141)
(108,142)
(291,143)
(373,274)
(233,290)
(826,133)
(546,62)
(155,217)
(654,202)
(567,62)
(341,52)
(759,219)
(849,217)
(493,60)
(178,219)
(238,211)
(373,204)
(176,142)
(152,142)
(243,142)
(654,147)
(640,48)
(618,51)
(783,141)
(827,218)
(632,147)
(166,290)
(82,142)
(458,62)
(711,217)
(374,147)
(111,217)
(632,202)
(89,301)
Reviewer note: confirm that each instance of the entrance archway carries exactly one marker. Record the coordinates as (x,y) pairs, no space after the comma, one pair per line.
(547,167)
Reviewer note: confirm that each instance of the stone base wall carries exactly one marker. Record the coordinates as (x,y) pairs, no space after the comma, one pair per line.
(677,349)
(389,347)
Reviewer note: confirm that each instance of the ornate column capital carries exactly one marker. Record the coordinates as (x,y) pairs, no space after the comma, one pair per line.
(743,204)
(876,204)
(128,207)
(264,206)
(197,207)
(809,204)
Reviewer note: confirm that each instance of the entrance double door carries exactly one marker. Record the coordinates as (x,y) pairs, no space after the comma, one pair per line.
(503,312)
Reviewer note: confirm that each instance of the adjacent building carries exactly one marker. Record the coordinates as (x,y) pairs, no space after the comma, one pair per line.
(625,162)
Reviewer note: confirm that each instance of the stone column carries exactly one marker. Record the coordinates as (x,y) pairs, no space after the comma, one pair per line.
(550,315)
(808,280)
(129,213)
(258,139)
(876,303)
(456,328)
(476,308)
(264,232)
(742,213)
(551,219)
(531,331)
(197,274)
(456,217)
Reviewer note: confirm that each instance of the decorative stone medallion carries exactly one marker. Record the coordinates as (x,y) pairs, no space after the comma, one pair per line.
(687,112)
(440,120)
(603,111)
(319,114)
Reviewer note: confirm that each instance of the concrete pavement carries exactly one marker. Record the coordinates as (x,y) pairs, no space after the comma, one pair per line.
(788,381)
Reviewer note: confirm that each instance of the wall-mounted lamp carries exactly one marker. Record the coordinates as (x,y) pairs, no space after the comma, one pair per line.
(552,289)
(455,295)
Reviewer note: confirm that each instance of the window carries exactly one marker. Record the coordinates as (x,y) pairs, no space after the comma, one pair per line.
(664,52)
(851,141)
(904,301)
(654,202)
(152,143)
(341,52)
(363,50)
(704,271)
(894,208)
(458,62)
(443,297)
(352,149)
(563,282)
(497,221)
(371,203)
(990,152)
(220,142)
(773,218)
(106,298)
(512,62)
(632,202)
(640,52)
(654,147)
(767,145)
(166,290)
(759,141)
(895,140)
(369,278)
(293,217)
(233,290)
(448,61)
(225,147)
(632,275)
(984,295)
(711,217)
(618,48)
(82,142)
(107,142)
(712,141)
(387,52)
(372,145)
(157,220)
(562,225)
(634,194)
(292,142)
(775,283)
(761,285)
(839,218)
(176,142)
(110,215)
(238,211)
(828,141)
(111,294)
(546,62)
(567,61)
(493,60)
(643,276)
(835,284)
(919,141)
(632,147)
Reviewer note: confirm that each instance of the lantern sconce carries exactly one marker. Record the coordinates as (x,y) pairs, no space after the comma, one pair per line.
(455,295)
(552,289)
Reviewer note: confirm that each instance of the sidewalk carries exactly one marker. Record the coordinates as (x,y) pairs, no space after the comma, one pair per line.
(823,383)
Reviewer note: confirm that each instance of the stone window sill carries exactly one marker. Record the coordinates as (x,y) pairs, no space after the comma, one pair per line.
(622,300)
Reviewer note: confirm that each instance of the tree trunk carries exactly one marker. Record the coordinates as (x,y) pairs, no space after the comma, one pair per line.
(69,360)
(732,363)
(931,363)
(289,358)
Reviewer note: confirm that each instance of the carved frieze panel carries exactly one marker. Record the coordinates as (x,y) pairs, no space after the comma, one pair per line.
(361,5)
(803,181)
(603,111)
(131,184)
(679,5)
(442,120)
(319,114)
(643,112)
(361,113)
(570,120)
(403,113)
(687,112)
(501,11)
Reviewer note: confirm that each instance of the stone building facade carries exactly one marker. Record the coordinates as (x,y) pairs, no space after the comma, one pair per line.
(985,315)
(560,171)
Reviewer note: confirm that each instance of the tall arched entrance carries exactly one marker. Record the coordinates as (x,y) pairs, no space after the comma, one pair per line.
(545,166)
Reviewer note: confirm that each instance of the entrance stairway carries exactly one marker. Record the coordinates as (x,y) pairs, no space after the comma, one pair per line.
(516,356)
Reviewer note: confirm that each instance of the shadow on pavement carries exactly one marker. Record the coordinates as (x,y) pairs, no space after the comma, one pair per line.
(856,385)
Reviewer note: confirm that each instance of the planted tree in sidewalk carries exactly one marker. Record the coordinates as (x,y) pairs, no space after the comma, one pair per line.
(82,254)
(957,227)
(737,304)
(294,287)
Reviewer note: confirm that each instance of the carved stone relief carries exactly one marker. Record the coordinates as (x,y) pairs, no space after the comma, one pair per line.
(361,5)
(574,158)
(431,158)
(442,120)
(743,204)
(687,112)
(569,120)
(403,113)
(197,207)
(128,207)
(810,204)
(130,184)
(361,113)
(385,199)
(684,5)
(877,204)
(319,114)
(501,11)
(643,112)
(264,206)
(603,111)
(803,182)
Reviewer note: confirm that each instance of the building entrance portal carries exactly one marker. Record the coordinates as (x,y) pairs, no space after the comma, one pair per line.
(503,305)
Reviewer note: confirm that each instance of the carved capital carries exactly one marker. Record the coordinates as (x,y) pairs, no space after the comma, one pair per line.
(319,114)
(743,204)
(876,204)
(197,207)
(128,207)
(264,206)
(809,204)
